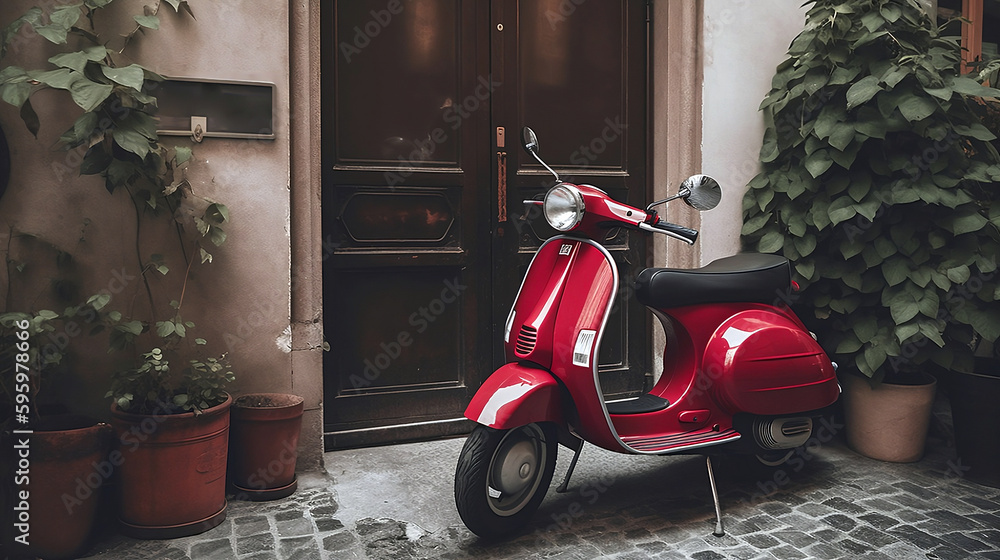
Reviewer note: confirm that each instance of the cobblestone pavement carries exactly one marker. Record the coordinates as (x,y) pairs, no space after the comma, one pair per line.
(396,502)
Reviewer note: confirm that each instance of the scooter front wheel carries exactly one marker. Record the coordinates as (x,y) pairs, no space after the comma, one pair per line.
(502,476)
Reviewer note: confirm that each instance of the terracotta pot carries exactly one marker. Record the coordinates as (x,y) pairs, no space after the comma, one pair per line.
(263,443)
(889,421)
(68,468)
(173,471)
(974,410)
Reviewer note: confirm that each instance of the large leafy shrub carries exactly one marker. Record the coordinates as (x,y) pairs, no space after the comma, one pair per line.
(877,183)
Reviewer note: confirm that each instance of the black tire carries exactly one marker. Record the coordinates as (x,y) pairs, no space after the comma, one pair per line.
(488,508)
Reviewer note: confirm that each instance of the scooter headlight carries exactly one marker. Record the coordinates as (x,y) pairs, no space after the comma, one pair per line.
(563,207)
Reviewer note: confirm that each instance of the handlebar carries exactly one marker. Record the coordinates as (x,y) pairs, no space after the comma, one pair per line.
(685,234)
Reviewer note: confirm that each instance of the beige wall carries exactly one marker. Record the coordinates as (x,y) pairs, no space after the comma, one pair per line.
(242,302)
(743,42)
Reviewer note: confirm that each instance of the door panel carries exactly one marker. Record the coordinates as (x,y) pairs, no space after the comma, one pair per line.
(581,86)
(422,217)
(403,180)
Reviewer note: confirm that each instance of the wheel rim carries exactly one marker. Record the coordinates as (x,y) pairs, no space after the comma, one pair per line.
(516,470)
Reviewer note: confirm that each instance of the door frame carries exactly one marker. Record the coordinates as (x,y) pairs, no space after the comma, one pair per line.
(675,126)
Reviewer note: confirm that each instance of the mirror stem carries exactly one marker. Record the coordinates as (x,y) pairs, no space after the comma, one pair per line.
(680,194)
(556,175)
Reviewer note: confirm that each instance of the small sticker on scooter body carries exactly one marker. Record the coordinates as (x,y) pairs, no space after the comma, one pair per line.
(584,344)
(565,249)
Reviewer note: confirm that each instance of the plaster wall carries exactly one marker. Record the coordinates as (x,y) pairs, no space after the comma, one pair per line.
(743,41)
(242,301)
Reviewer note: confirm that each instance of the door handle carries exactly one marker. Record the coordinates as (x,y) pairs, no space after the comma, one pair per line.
(501,186)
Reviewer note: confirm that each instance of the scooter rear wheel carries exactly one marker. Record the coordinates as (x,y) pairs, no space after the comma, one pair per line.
(502,477)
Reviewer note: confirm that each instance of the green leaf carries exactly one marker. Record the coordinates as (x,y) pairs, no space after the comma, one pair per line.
(917,108)
(849,345)
(132,141)
(943,93)
(904,311)
(772,242)
(806,269)
(895,270)
(875,357)
(165,328)
(966,221)
(870,123)
(152,22)
(130,76)
(132,327)
(842,136)
(968,86)
(182,154)
(217,236)
(89,95)
(841,210)
(817,163)
(217,213)
(755,223)
(805,246)
(959,274)
(15,94)
(862,91)
(905,331)
(98,301)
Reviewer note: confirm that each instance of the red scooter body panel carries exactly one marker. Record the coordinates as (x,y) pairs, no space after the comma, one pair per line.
(770,365)
(758,359)
(515,395)
(568,290)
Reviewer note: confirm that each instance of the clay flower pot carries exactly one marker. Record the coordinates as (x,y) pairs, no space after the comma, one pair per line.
(888,421)
(263,443)
(68,469)
(173,471)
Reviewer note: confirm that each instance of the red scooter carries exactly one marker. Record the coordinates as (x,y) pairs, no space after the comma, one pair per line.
(741,372)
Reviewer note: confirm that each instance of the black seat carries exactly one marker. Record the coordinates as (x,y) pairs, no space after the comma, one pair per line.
(752,277)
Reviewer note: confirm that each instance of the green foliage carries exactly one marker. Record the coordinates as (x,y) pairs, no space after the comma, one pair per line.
(877,183)
(151,389)
(116,131)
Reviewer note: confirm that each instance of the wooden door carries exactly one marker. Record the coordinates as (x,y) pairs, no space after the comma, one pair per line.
(423,247)
(577,76)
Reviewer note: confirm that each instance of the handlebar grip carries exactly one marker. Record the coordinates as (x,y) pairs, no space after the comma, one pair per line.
(687,233)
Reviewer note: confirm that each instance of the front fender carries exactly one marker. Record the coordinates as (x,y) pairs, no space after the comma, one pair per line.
(516,395)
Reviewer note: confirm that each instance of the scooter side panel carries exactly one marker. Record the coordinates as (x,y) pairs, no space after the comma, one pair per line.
(769,365)
(516,395)
(588,296)
(533,314)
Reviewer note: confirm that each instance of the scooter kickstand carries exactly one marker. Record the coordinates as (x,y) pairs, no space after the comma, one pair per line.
(719,531)
(572,465)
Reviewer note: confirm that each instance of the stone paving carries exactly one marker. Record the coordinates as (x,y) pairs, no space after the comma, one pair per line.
(827,503)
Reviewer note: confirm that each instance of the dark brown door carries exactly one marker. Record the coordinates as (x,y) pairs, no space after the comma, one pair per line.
(425,237)
(576,74)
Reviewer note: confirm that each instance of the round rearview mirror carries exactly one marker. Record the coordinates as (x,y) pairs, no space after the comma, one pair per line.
(701,192)
(529,140)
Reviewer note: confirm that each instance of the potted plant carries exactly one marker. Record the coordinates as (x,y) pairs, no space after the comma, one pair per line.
(62,448)
(263,444)
(876,184)
(974,392)
(60,491)
(172,425)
